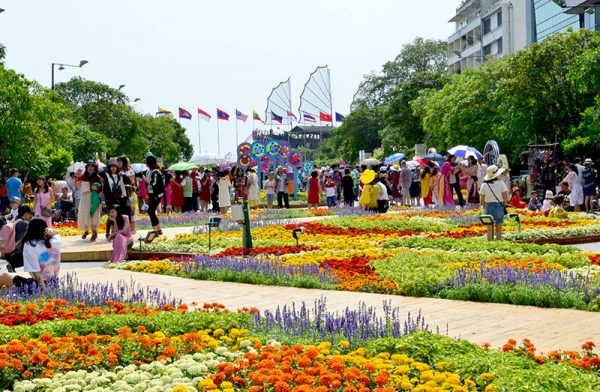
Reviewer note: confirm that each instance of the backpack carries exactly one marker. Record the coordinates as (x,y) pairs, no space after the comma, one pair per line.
(7,238)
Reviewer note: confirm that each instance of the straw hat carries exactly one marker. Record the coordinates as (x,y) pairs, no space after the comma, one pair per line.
(493,172)
(588,161)
(367,177)
(549,195)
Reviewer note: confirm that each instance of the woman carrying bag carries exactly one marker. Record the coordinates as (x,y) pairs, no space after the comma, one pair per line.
(88,215)
(494,197)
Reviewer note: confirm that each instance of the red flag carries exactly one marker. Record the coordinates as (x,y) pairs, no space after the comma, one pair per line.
(325,117)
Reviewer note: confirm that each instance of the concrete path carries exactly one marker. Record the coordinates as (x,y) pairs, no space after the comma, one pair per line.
(549,329)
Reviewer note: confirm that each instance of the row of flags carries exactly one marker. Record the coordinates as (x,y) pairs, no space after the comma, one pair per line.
(222,115)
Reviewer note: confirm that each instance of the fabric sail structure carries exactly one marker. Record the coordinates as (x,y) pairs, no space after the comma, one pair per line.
(279,102)
(316,96)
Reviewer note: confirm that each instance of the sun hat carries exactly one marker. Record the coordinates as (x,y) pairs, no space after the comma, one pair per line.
(515,189)
(367,177)
(395,168)
(15,199)
(588,161)
(549,195)
(493,172)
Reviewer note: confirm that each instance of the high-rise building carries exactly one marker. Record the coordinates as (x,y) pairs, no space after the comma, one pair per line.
(487,28)
(503,27)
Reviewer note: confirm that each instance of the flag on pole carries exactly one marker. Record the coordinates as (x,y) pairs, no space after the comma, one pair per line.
(203,115)
(276,118)
(339,117)
(325,117)
(308,117)
(292,116)
(184,114)
(256,117)
(222,115)
(240,116)
(163,112)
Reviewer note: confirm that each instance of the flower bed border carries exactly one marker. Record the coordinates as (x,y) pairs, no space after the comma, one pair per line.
(582,239)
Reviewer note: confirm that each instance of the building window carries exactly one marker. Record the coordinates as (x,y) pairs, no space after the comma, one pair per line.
(487,26)
(499,43)
(487,50)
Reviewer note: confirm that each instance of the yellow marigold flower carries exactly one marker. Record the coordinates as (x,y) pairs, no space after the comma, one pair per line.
(406,385)
(490,388)
(470,383)
(226,384)
(218,332)
(487,376)
(443,365)
(206,383)
(344,343)
(179,388)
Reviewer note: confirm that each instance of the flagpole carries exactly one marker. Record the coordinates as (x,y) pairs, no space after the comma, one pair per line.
(218,137)
(199,138)
(237,142)
(330,98)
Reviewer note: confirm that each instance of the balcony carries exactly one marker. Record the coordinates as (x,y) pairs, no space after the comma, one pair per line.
(461,30)
(579,6)
(468,7)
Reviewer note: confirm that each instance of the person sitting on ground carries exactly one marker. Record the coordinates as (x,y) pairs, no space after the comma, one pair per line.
(121,235)
(548,203)
(515,200)
(558,212)
(534,203)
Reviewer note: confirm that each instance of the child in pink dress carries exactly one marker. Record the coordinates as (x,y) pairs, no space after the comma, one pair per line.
(121,235)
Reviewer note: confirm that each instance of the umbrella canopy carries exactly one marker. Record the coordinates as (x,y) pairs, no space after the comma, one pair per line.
(101,165)
(207,159)
(75,166)
(367,176)
(394,158)
(139,167)
(423,162)
(183,166)
(434,157)
(371,162)
(465,151)
(414,164)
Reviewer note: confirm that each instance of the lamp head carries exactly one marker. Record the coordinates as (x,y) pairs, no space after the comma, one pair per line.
(82,63)
(136,100)
(2,10)
(61,68)
(121,86)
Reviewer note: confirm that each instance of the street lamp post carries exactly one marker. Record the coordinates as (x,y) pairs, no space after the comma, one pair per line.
(62,66)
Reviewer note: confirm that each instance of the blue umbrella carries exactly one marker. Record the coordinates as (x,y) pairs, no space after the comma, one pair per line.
(394,158)
(465,151)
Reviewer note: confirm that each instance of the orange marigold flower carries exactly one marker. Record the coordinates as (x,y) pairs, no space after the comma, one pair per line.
(588,346)
(112,358)
(369,367)
(508,347)
(170,351)
(304,362)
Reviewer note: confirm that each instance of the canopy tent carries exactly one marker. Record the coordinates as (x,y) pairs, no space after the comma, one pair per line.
(207,159)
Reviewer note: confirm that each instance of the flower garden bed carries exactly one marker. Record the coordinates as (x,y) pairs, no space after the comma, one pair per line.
(435,254)
(67,339)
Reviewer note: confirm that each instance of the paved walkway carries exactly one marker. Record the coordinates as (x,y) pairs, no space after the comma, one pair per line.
(549,329)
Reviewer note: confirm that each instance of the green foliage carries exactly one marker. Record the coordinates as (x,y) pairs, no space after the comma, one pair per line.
(512,371)
(59,160)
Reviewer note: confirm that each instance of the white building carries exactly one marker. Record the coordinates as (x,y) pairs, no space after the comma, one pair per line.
(488,28)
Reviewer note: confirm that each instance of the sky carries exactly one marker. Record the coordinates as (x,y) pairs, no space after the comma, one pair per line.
(208,54)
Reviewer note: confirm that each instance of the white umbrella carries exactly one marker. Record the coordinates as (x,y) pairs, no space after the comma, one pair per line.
(207,159)
(101,165)
(371,162)
(75,166)
(139,167)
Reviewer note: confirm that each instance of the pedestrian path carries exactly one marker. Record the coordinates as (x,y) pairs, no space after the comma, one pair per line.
(480,323)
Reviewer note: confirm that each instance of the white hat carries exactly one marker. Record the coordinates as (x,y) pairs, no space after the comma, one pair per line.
(588,161)
(549,195)
(493,172)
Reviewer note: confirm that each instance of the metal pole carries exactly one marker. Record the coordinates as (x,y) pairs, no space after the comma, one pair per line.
(199,138)
(52,76)
(237,142)
(330,98)
(218,138)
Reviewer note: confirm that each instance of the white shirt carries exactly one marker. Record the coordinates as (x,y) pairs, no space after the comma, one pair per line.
(489,189)
(383,195)
(38,258)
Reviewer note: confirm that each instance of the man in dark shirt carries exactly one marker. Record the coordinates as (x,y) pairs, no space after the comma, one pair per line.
(15,259)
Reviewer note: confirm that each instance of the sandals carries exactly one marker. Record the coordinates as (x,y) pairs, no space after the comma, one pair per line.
(94,237)
(84,236)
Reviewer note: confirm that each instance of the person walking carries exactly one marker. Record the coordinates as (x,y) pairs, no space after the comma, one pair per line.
(282,189)
(405,183)
(205,186)
(253,192)
(155,188)
(121,236)
(177,192)
(494,197)
(348,188)
(314,190)
(444,195)
(44,196)
(425,188)
(224,192)
(14,185)
(132,207)
(269,186)
(88,215)
(589,184)
(576,197)
(114,189)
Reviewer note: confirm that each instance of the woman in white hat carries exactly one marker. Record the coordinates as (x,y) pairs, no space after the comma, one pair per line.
(494,196)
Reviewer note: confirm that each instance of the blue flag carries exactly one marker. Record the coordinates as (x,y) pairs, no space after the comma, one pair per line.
(339,117)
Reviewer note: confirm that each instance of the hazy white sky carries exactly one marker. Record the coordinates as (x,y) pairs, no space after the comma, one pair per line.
(209,54)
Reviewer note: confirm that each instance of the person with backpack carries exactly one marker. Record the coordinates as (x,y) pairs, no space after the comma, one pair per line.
(10,236)
(156,188)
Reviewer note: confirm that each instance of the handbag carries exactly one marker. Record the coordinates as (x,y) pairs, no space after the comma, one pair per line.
(498,200)
(47,212)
